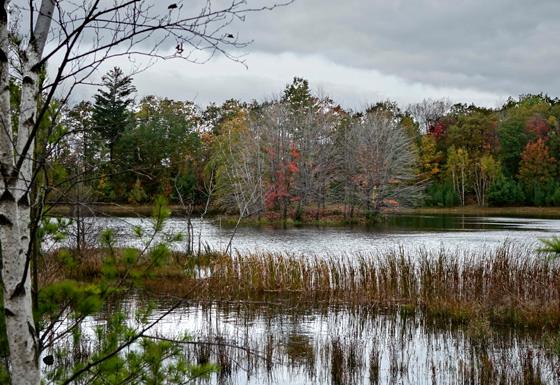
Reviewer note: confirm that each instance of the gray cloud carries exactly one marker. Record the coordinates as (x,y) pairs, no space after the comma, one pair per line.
(269,73)
(361,51)
(502,46)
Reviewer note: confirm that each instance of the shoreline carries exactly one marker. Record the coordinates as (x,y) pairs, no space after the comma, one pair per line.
(509,211)
(331,216)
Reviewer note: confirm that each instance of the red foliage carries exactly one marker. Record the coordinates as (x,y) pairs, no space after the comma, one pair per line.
(537,165)
(279,189)
(438,129)
(538,126)
(293,167)
(391,202)
(294,152)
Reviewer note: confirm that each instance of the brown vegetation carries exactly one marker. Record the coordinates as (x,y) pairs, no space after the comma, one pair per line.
(521,211)
(508,286)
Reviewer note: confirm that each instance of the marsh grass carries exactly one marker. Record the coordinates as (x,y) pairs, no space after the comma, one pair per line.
(507,286)
(356,359)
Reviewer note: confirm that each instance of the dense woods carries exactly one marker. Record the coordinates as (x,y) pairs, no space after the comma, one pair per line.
(303,153)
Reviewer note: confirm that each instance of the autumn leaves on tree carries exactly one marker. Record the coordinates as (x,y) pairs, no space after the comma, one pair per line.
(506,156)
(293,157)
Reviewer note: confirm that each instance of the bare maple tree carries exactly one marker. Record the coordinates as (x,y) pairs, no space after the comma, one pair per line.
(427,112)
(384,163)
(242,169)
(317,153)
(70,41)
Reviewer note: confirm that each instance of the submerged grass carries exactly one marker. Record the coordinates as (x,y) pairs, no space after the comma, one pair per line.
(355,348)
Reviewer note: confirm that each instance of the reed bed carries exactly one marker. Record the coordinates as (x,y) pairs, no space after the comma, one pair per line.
(507,286)
(375,310)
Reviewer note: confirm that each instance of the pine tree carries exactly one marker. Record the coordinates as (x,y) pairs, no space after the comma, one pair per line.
(298,94)
(111,111)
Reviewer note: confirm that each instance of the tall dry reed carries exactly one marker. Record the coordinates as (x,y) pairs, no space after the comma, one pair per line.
(508,285)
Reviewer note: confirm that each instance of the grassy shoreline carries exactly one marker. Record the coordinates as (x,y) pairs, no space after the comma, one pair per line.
(516,211)
(121,210)
(330,216)
(507,288)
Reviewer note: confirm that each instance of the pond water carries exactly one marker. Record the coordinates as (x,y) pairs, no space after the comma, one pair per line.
(294,343)
(278,344)
(410,232)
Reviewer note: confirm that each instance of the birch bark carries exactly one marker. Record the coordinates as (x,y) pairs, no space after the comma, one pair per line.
(17,171)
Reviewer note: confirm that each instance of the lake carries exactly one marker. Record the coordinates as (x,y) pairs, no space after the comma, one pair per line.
(411,232)
(294,343)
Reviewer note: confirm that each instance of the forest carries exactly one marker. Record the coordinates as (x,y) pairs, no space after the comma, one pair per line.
(301,154)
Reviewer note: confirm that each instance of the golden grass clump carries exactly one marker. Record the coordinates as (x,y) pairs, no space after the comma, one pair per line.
(506,286)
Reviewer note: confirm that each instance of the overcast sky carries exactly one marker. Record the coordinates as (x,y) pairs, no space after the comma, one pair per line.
(359,52)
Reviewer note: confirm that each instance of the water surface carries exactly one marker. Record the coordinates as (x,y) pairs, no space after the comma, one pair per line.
(296,344)
(288,344)
(410,232)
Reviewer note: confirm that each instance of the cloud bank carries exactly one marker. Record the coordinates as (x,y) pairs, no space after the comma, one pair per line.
(359,52)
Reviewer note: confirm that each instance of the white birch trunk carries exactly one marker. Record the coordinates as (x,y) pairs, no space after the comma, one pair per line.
(15,202)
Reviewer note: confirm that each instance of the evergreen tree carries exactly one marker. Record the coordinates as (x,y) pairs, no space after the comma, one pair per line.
(298,94)
(111,111)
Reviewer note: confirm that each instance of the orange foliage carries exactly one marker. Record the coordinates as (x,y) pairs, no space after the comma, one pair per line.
(537,165)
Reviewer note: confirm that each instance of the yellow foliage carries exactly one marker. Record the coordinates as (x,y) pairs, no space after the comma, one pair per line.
(430,157)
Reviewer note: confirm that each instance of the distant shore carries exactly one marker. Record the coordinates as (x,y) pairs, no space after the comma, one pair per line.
(521,211)
(120,210)
(330,216)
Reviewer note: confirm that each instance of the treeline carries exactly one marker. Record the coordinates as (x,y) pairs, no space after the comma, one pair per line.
(498,157)
(300,153)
